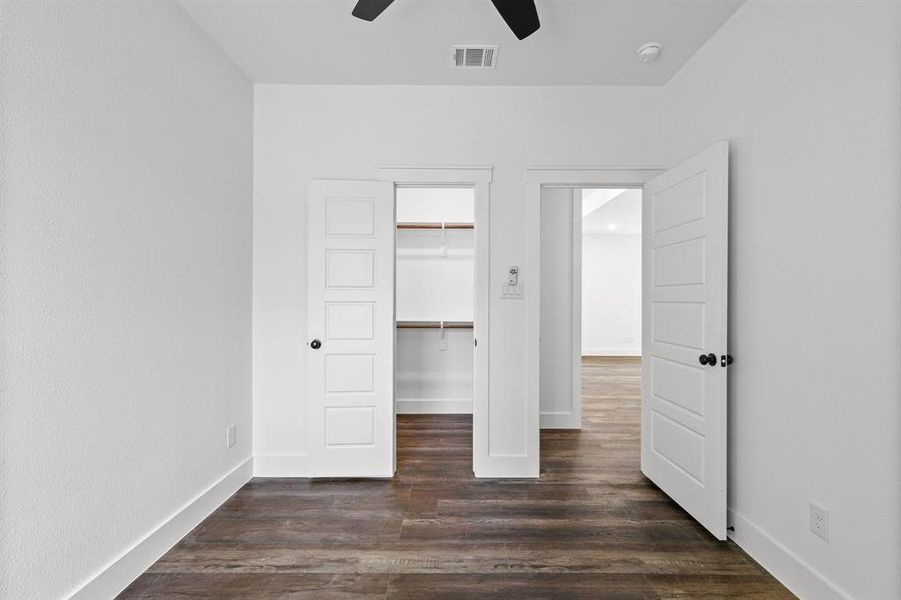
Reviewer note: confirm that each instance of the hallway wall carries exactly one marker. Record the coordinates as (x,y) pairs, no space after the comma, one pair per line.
(611,295)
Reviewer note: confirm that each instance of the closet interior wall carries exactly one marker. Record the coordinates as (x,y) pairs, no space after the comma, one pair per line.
(435,299)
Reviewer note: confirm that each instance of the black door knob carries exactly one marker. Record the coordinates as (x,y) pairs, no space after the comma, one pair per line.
(315,344)
(707,359)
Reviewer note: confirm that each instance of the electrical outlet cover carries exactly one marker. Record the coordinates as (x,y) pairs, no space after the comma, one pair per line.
(819,521)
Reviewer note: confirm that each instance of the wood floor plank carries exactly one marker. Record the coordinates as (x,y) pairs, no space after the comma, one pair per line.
(545,586)
(455,559)
(716,587)
(247,586)
(591,527)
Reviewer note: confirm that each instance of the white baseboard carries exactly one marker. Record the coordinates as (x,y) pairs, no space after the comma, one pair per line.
(795,574)
(117,575)
(413,406)
(281,465)
(611,351)
(559,421)
(506,467)
(300,466)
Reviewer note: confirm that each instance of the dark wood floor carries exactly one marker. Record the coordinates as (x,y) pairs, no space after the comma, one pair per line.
(591,527)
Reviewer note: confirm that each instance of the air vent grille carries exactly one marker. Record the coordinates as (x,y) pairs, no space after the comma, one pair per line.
(475,57)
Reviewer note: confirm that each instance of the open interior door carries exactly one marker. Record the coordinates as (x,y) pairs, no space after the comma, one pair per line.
(684,310)
(350,353)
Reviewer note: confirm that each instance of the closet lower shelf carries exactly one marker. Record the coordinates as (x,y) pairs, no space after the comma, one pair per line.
(434,324)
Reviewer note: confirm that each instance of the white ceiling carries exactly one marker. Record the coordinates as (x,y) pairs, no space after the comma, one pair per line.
(612,212)
(581,42)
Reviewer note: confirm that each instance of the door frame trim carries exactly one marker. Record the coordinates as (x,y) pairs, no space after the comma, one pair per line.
(539,177)
(479,178)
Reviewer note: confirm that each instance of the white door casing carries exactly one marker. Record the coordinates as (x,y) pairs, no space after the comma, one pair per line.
(484,463)
(684,310)
(538,178)
(351,312)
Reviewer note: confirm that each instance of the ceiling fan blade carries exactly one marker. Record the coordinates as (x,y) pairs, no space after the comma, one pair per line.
(520,15)
(368,10)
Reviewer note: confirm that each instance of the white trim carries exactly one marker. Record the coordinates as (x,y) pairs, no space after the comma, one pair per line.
(569,177)
(575,419)
(425,175)
(481,414)
(803,580)
(501,466)
(119,573)
(480,178)
(433,406)
(554,420)
(611,351)
(281,465)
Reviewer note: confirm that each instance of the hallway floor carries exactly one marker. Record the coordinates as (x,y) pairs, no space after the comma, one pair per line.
(591,527)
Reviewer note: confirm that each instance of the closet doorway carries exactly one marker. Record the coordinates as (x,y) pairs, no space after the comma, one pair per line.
(434,324)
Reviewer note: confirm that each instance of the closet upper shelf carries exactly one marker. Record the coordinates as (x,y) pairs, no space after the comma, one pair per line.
(435,225)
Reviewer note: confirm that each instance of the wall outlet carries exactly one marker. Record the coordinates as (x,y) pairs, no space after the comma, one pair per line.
(630,340)
(230,436)
(819,521)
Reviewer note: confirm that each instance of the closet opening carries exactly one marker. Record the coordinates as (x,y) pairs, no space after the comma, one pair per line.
(434,328)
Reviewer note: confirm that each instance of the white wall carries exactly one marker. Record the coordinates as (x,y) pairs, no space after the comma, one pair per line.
(125,257)
(434,375)
(611,295)
(558,403)
(304,132)
(808,95)
(435,269)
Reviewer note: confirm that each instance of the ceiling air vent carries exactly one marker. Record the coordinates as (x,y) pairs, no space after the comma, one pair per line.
(475,57)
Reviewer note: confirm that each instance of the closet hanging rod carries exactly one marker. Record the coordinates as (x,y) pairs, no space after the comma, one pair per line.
(434,324)
(435,225)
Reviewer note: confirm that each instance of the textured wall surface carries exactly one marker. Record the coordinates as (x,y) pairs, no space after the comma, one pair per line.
(125,257)
(815,274)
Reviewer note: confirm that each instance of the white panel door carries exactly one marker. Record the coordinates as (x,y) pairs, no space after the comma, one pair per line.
(684,309)
(350,353)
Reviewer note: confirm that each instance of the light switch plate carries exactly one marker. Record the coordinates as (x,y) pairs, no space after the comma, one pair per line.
(511,292)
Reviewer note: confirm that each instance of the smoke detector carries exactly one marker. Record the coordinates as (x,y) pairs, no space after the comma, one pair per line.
(474,57)
(649,52)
